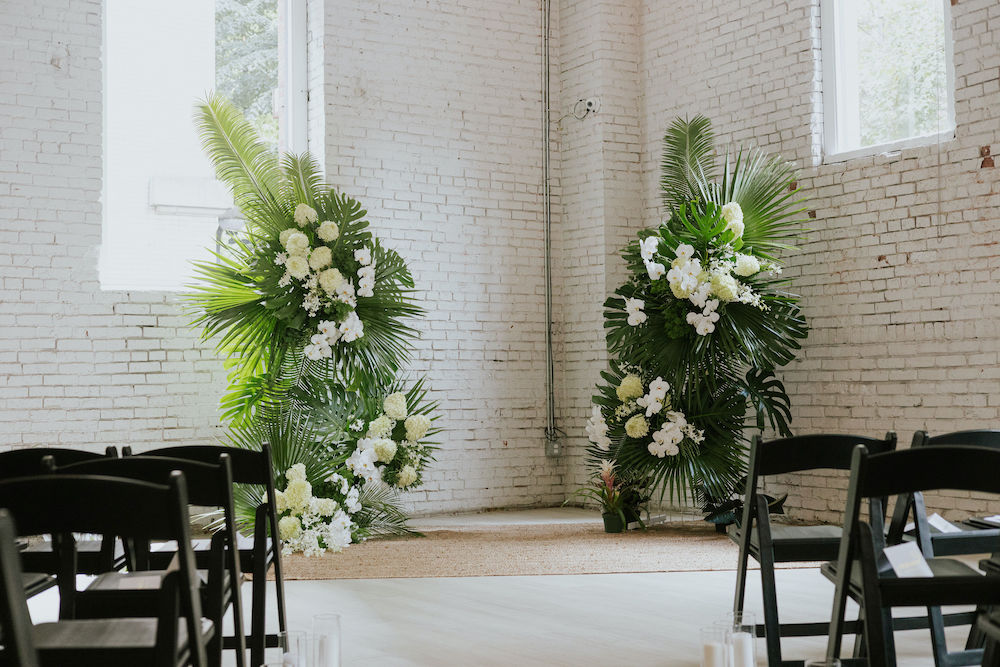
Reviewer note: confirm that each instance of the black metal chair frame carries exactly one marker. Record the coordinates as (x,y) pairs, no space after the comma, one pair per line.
(776,457)
(120,594)
(876,588)
(254,468)
(131,509)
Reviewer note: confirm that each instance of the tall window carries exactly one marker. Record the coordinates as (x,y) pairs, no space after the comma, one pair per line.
(162,205)
(887,77)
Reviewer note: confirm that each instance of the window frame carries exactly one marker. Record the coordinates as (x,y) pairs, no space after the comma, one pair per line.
(838,107)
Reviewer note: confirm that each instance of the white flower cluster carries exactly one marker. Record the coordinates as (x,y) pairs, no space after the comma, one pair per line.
(707,287)
(309,524)
(667,439)
(633,308)
(324,284)
(597,430)
(366,274)
(377,450)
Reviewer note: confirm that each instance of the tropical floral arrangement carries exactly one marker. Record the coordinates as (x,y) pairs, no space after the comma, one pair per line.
(698,331)
(313,315)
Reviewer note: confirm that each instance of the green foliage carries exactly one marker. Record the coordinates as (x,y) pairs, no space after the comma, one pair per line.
(246,59)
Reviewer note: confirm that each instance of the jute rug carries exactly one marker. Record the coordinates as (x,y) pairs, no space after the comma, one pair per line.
(526,550)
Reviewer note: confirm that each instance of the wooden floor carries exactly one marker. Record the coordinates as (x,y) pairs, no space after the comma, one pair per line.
(606,620)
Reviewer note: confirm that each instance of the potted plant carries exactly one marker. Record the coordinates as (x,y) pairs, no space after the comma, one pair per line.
(608,491)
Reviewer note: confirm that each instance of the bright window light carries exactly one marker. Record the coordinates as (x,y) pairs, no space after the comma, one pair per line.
(162,204)
(887,75)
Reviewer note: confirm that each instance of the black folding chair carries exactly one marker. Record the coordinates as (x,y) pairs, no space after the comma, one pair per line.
(862,571)
(973,537)
(775,543)
(15,621)
(257,554)
(60,505)
(94,555)
(131,594)
(989,627)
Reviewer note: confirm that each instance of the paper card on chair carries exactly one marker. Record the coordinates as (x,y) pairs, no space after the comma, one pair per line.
(907,561)
(937,521)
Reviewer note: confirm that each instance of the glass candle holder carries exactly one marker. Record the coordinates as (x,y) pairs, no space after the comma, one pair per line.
(715,650)
(326,640)
(294,647)
(742,638)
(822,662)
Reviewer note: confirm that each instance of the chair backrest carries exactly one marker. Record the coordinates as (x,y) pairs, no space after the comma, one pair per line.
(813,452)
(66,504)
(15,621)
(249,466)
(28,461)
(913,502)
(974,438)
(207,484)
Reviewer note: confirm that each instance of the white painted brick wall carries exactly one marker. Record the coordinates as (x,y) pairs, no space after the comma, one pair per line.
(433,120)
(78,366)
(897,272)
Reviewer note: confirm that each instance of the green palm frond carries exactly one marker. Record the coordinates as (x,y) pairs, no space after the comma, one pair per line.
(688,160)
(242,161)
(382,513)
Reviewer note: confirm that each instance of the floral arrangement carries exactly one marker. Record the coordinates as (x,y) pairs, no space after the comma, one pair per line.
(388,448)
(703,322)
(645,415)
(312,315)
(316,524)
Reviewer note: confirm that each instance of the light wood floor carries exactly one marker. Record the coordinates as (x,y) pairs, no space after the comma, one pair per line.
(615,619)
(606,620)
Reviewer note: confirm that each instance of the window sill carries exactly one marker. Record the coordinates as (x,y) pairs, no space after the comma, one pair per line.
(890,147)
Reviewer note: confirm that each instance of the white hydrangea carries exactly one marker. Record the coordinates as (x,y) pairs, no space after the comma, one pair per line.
(328,231)
(304,215)
(323,506)
(297,494)
(330,280)
(385,449)
(417,427)
(289,528)
(296,243)
(296,472)
(320,258)
(406,477)
(297,267)
(380,427)
(725,286)
(395,406)
(746,265)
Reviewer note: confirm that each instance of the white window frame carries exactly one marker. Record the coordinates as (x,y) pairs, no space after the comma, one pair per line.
(840,103)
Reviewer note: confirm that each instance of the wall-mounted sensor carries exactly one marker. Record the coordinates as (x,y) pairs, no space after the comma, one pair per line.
(593,104)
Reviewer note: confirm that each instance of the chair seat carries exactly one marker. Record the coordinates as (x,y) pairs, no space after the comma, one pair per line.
(131,594)
(124,641)
(38,557)
(36,582)
(162,552)
(796,543)
(953,582)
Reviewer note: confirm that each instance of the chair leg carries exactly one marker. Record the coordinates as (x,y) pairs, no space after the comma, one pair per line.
(741,582)
(257,609)
(772,628)
(939,645)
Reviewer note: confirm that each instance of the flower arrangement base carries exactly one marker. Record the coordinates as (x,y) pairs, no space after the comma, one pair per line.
(613,522)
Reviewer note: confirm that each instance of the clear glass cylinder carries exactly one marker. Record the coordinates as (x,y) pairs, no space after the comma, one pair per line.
(742,638)
(326,640)
(294,645)
(714,647)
